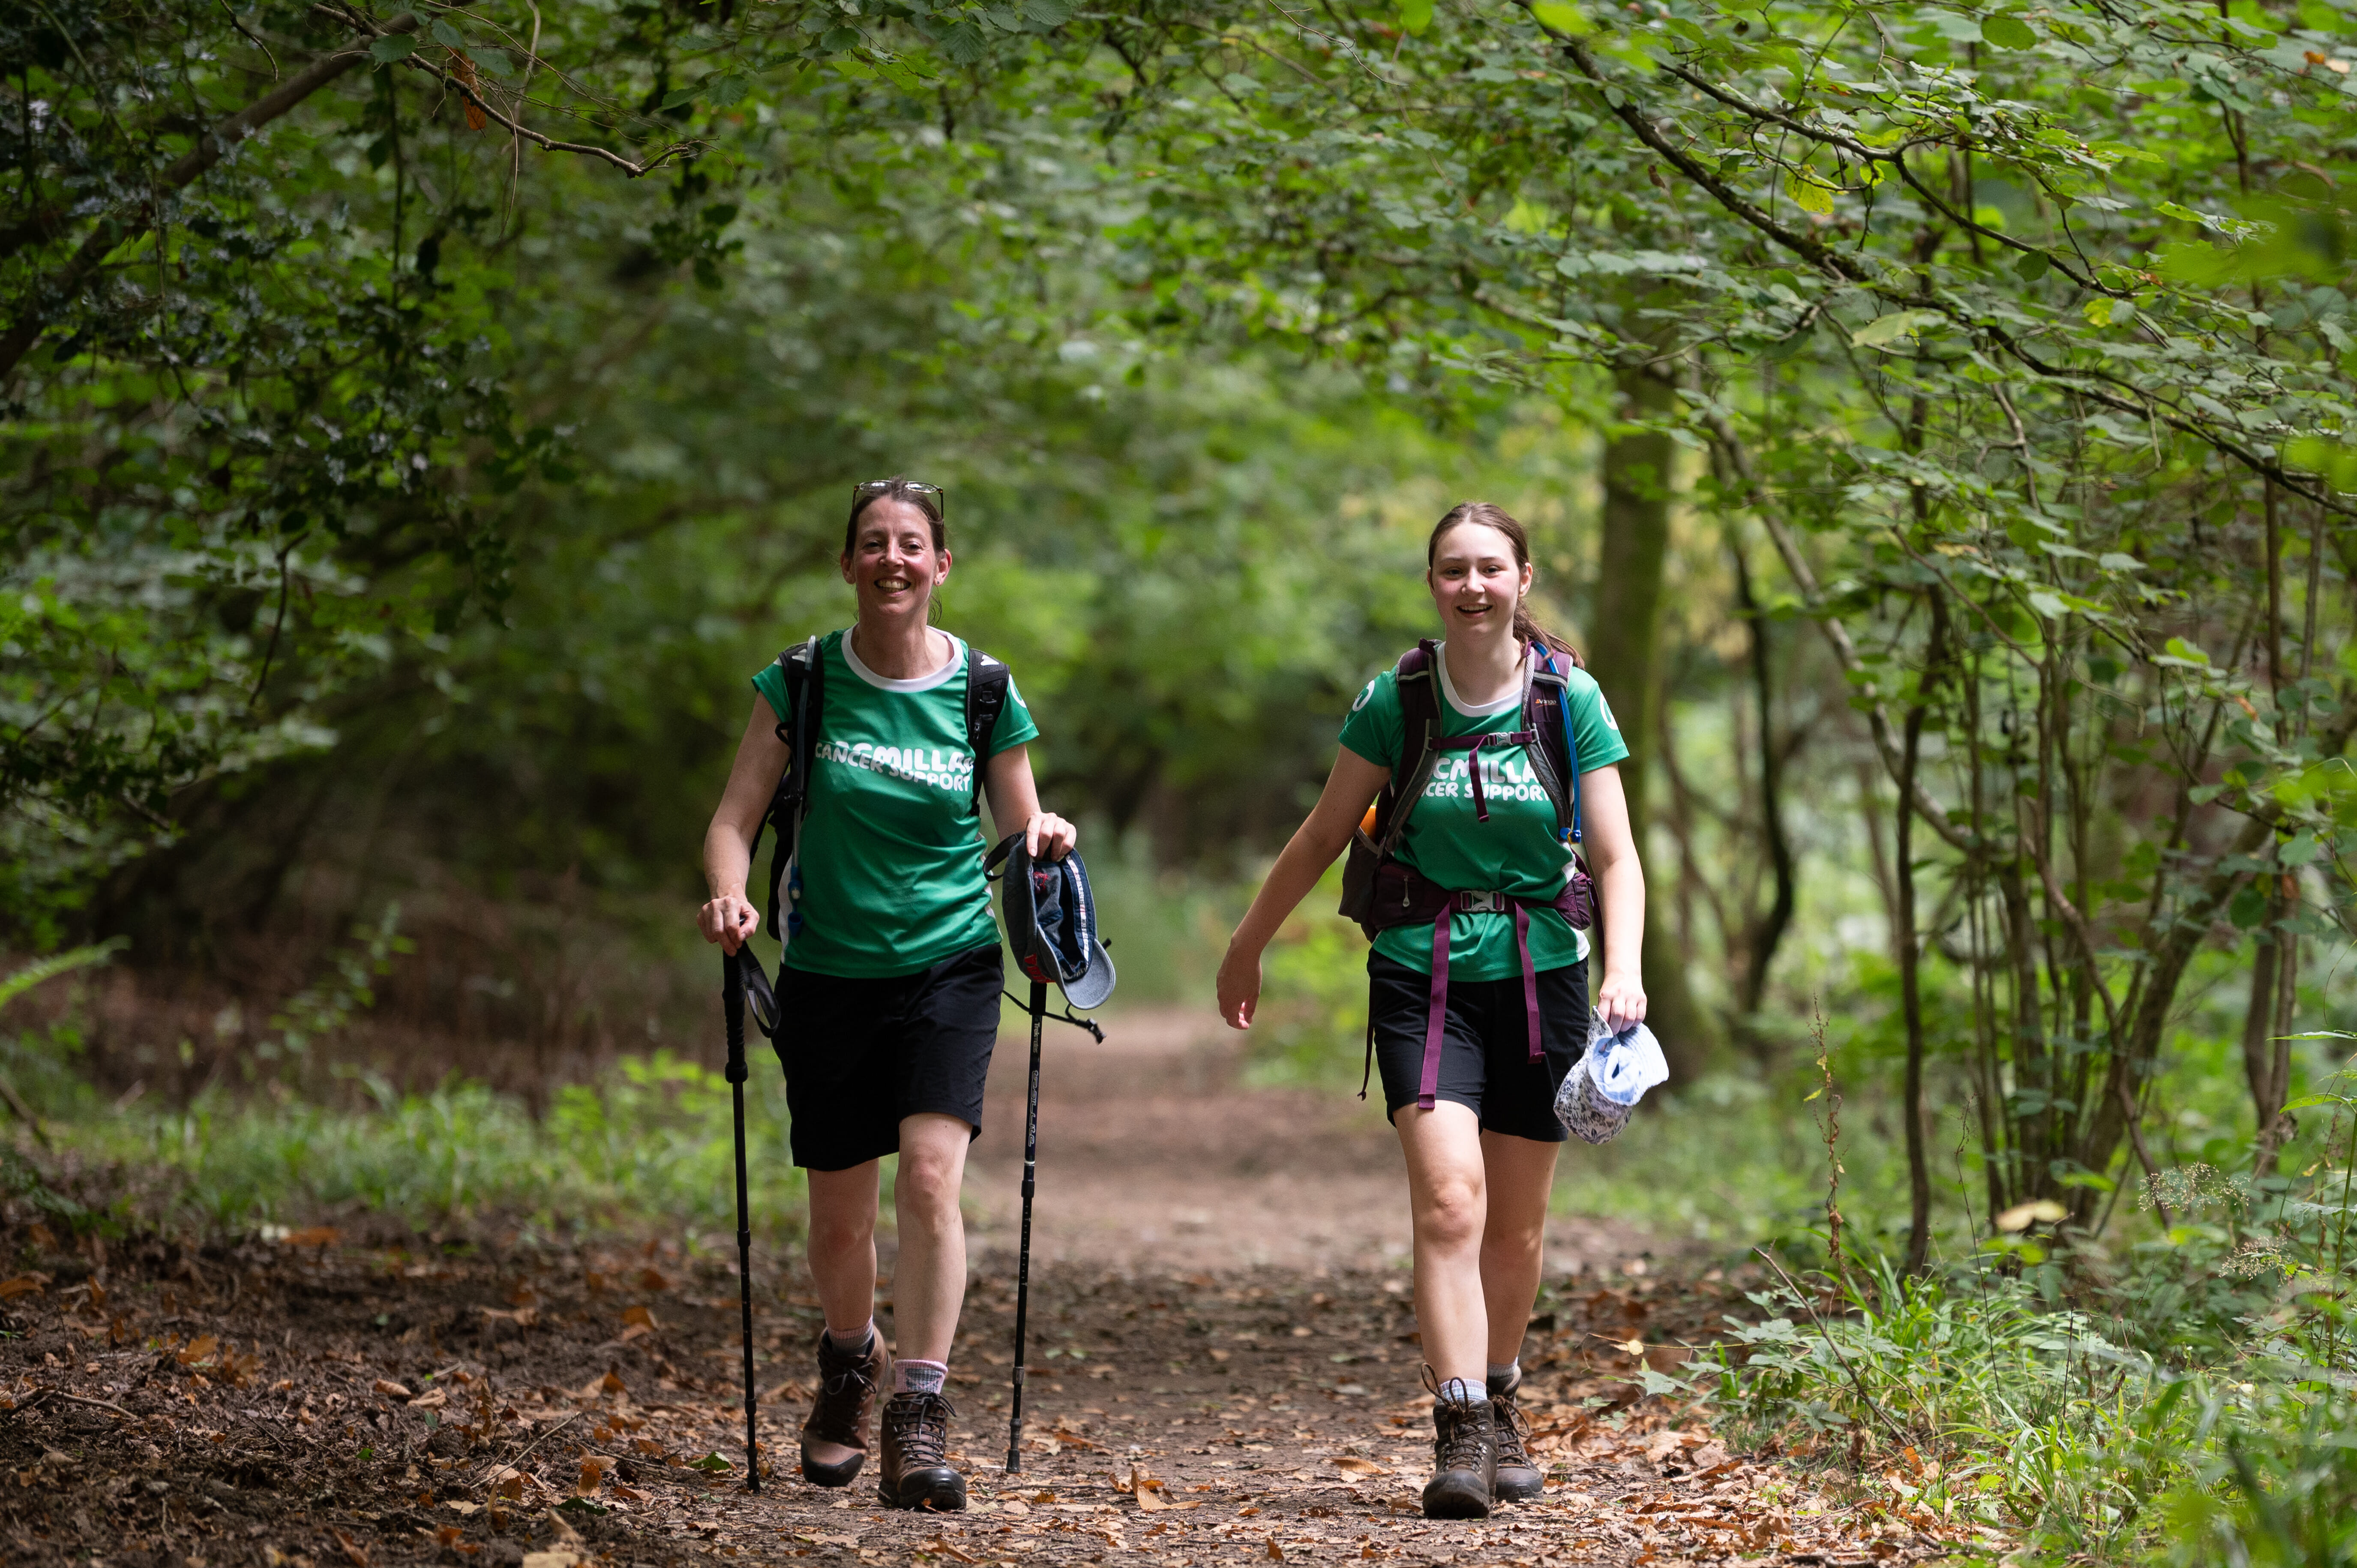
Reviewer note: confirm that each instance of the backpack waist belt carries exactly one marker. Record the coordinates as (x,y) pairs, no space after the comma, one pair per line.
(1422,899)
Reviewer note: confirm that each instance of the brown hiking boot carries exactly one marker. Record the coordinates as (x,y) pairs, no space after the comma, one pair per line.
(914,1471)
(834,1438)
(1464,1456)
(1519,1479)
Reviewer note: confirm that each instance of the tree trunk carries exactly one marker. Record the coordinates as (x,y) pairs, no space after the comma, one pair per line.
(1624,634)
(1910,1001)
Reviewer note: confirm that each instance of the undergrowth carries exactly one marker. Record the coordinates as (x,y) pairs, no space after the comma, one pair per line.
(2191,1400)
(651,1141)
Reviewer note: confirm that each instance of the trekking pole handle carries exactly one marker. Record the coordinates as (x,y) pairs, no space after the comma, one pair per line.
(732,1008)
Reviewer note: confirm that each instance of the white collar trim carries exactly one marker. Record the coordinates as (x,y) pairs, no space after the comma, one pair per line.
(1513,699)
(924,682)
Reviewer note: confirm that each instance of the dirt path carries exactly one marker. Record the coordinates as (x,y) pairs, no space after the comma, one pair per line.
(1223,1371)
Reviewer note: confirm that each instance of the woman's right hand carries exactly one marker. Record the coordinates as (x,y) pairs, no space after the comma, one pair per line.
(728,920)
(1239,987)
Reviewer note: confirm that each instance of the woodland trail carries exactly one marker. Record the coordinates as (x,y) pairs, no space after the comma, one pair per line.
(1225,1370)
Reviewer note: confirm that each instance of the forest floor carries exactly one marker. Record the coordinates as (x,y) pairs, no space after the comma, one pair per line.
(1223,1369)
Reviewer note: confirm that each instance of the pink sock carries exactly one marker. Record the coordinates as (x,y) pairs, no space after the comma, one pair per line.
(918,1376)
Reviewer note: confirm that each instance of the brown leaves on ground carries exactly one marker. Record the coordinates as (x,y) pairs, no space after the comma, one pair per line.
(436,1432)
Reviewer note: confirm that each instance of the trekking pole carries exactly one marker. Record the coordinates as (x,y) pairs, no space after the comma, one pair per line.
(1023,1257)
(732,1004)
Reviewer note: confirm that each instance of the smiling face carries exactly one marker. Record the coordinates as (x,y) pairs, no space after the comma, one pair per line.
(893,562)
(1476,581)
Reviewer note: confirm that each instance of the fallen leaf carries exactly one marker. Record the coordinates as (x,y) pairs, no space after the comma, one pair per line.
(41,1235)
(1014,1505)
(432,1399)
(449,1535)
(197,1349)
(551,1558)
(612,1383)
(22,1284)
(317,1236)
(640,1317)
(1146,1490)
(462,1509)
(351,1548)
(1358,1466)
(653,1280)
(943,1544)
(1275,1553)
(509,1484)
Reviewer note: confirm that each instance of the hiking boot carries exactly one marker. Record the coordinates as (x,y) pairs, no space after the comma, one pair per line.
(914,1471)
(1464,1457)
(1519,1479)
(834,1438)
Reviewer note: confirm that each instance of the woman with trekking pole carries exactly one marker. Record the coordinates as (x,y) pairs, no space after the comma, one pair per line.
(887,999)
(1492,754)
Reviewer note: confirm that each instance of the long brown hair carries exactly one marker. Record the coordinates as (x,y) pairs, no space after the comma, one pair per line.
(1526,627)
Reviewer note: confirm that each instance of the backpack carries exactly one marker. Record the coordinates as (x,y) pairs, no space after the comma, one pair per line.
(1546,717)
(985,698)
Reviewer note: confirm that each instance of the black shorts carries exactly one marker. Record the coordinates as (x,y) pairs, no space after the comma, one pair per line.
(860,1055)
(1485,1044)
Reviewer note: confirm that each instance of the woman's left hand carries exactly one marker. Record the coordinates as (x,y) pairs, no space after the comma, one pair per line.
(1621,1001)
(1049,837)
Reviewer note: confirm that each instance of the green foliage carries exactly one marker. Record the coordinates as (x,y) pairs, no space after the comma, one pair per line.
(651,1141)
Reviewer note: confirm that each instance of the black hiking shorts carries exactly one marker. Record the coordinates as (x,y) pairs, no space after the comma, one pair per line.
(861,1055)
(1485,1044)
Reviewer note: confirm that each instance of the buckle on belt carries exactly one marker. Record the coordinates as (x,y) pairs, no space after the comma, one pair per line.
(1490,903)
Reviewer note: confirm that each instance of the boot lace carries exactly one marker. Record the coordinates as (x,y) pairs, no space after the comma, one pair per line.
(1513,1432)
(846,1385)
(917,1427)
(1456,1432)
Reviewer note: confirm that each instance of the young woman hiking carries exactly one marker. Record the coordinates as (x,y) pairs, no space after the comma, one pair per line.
(1471,1060)
(888,994)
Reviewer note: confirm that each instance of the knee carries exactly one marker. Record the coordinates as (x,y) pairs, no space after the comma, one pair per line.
(926,1190)
(1450,1213)
(830,1235)
(1515,1234)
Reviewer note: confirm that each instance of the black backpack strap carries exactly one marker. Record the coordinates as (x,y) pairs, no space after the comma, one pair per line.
(798,728)
(985,698)
(1547,708)
(1419,691)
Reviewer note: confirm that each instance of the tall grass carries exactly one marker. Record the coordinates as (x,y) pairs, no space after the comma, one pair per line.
(2192,1399)
(648,1142)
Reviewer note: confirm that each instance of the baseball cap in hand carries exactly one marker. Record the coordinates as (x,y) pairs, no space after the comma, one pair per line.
(1051,922)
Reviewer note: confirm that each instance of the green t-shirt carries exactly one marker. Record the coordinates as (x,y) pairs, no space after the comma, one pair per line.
(1517,851)
(891,844)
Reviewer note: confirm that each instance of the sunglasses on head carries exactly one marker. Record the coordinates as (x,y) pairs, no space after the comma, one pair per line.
(875,489)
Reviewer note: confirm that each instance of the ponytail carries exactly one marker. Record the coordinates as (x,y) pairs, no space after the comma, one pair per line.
(1527,628)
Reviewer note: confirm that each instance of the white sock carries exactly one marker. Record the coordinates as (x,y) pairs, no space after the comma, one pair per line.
(1458,1388)
(859,1340)
(913,1376)
(1503,1378)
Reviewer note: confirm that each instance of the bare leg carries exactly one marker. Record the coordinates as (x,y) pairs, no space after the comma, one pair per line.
(1513,1236)
(929,1280)
(843,1244)
(1449,1199)
(843,1259)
